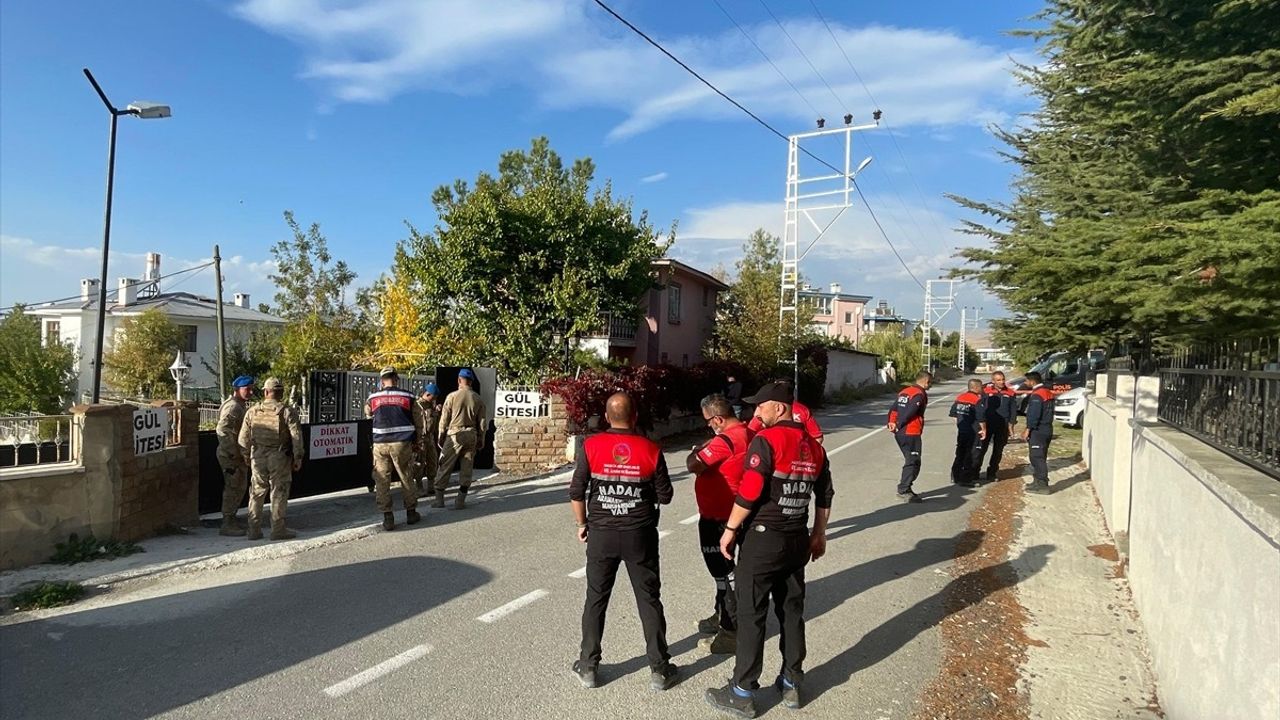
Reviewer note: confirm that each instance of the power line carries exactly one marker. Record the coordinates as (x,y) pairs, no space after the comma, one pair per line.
(135,283)
(812,67)
(764,124)
(892,136)
(776,69)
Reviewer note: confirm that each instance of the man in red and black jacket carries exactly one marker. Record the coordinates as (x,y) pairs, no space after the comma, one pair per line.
(969,409)
(906,422)
(799,413)
(1039,432)
(619,479)
(717,466)
(786,470)
(1001,418)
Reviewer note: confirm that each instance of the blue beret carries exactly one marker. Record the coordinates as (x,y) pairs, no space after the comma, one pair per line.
(242,381)
(466,373)
(433,388)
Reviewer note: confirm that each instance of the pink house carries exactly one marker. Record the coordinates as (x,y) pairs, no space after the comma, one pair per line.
(679,318)
(836,313)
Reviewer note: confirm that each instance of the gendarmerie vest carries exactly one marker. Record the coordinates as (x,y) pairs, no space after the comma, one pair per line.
(621,475)
(786,469)
(392,410)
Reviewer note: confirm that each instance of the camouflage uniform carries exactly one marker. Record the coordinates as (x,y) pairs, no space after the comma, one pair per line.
(461,433)
(429,454)
(397,455)
(235,476)
(272,438)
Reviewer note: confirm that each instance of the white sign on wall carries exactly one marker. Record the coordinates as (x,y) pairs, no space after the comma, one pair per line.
(150,425)
(520,404)
(329,441)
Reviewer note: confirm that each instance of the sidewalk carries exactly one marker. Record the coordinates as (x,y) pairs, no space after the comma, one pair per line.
(320,521)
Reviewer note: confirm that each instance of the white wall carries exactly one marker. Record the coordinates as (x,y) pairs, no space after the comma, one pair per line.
(849,369)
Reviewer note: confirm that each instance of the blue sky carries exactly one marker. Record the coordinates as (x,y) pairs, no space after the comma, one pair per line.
(351,113)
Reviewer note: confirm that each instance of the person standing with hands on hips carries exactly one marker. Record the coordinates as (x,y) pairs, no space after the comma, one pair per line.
(906,422)
(619,480)
(786,470)
(1039,432)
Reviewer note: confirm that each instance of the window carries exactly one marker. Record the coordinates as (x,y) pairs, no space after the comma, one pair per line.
(52,332)
(848,318)
(188,338)
(673,303)
(821,305)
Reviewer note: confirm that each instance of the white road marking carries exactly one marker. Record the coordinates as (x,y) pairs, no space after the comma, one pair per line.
(499,613)
(854,441)
(579,573)
(377,671)
(663,533)
(690,520)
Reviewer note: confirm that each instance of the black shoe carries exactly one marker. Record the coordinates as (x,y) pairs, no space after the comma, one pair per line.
(991,476)
(710,625)
(790,693)
(1039,488)
(965,483)
(727,701)
(586,675)
(909,497)
(388,521)
(411,517)
(664,679)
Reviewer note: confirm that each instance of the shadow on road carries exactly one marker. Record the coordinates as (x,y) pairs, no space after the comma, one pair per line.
(880,643)
(935,501)
(143,658)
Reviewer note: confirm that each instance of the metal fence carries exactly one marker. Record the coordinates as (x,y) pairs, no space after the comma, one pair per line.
(1227,395)
(38,440)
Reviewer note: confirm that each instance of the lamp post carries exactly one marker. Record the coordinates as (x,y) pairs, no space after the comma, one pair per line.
(146,111)
(180,370)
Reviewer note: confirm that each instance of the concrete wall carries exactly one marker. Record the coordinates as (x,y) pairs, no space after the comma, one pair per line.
(1204,565)
(848,369)
(109,493)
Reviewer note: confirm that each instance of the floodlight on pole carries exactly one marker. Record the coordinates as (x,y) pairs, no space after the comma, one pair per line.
(145,111)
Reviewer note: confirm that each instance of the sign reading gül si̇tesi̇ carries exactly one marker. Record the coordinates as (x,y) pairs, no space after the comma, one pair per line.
(328,441)
(150,426)
(520,404)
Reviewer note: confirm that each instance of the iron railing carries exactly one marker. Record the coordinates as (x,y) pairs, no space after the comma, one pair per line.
(616,327)
(27,440)
(1227,395)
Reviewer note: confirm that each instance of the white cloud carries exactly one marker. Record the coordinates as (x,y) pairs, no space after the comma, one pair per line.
(570,56)
(656,177)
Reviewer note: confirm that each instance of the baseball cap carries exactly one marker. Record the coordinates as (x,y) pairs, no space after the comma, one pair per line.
(242,381)
(466,373)
(772,392)
(272,384)
(386,371)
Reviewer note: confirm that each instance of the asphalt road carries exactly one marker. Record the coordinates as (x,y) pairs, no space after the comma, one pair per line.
(475,614)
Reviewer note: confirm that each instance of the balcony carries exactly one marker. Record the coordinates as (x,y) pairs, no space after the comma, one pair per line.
(619,329)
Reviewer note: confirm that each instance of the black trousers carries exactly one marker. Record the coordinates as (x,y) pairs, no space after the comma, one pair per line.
(997,438)
(638,549)
(965,467)
(1038,449)
(709,533)
(770,567)
(910,446)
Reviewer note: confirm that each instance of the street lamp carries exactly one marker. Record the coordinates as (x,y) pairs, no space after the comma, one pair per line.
(146,111)
(180,370)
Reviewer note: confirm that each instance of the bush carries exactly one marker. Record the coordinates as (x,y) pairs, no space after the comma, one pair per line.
(48,595)
(848,393)
(77,550)
(656,390)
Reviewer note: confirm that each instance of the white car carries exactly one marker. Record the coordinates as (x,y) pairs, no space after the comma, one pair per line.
(1068,408)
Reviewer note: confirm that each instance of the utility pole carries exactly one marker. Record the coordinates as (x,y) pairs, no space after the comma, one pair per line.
(936,306)
(222,335)
(824,191)
(965,323)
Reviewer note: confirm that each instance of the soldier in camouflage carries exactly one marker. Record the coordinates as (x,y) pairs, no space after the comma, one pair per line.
(235,471)
(271,437)
(429,454)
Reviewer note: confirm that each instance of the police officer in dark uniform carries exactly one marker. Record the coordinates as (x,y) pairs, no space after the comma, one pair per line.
(786,470)
(906,422)
(968,409)
(619,479)
(1039,432)
(1001,418)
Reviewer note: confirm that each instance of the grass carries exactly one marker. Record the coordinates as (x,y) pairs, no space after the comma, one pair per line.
(78,550)
(1066,442)
(48,595)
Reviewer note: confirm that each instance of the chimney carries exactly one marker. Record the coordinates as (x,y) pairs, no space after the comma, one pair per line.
(128,292)
(835,288)
(153,267)
(883,308)
(242,300)
(88,289)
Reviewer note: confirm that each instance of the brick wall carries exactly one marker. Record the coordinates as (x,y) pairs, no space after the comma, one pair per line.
(531,445)
(161,489)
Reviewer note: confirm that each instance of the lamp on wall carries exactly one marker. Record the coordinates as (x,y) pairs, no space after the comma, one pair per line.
(180,370)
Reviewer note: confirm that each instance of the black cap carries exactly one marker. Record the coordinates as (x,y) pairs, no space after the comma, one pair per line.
(775,391)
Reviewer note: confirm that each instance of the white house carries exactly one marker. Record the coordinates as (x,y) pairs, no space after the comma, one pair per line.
(76,321)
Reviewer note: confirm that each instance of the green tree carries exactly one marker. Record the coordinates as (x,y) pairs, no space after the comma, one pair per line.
(141,353)
(903,351)
(1147,201)
(521,257)
(249,353)
(34,377)
(747,329)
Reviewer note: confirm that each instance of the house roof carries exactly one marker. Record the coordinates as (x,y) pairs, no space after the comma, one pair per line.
(176,304)
(689,270)
(815,292)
